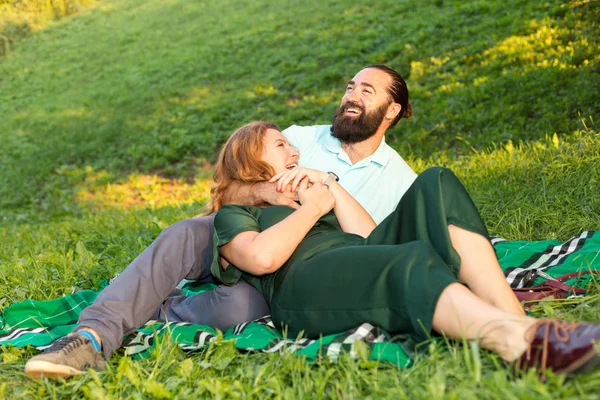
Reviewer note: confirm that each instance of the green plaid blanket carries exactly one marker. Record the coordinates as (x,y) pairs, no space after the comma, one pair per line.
(38,323)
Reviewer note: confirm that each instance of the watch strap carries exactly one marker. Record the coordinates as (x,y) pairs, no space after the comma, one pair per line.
(330,178)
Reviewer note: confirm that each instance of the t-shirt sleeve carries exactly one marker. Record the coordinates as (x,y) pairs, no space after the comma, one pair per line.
(230,221)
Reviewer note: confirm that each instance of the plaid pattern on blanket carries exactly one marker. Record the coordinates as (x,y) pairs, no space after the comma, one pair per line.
(517,258)
(38,323)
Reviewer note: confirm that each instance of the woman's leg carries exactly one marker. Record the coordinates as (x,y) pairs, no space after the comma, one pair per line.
(403,289)
(393,287)
(437,209)
(479,268)
(407,289)
(564,347)
(459,313)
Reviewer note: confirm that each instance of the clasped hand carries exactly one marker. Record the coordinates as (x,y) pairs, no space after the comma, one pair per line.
(308,183)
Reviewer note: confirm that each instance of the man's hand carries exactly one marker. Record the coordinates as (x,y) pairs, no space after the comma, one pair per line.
(267,193)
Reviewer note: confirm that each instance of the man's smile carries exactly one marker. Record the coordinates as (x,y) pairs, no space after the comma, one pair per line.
(352,110)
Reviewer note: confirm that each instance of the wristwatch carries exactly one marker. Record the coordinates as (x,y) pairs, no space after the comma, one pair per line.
(330,177)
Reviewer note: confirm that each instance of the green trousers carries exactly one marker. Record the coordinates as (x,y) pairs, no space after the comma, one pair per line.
(392,281)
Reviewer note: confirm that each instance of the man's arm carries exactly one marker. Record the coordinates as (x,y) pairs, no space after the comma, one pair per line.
(258,194)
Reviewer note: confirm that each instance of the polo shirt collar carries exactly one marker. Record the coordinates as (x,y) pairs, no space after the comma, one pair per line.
(381,156)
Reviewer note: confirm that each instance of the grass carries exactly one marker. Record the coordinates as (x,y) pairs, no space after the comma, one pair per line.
(109,120)
(20,18)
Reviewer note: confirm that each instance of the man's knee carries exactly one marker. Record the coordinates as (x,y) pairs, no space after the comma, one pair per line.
(240,303)
(188,244)
(196,228)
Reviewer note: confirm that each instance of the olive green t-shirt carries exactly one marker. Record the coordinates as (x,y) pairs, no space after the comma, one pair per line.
(232,220)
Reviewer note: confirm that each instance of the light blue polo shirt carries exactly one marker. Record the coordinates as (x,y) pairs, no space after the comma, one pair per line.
(376,182)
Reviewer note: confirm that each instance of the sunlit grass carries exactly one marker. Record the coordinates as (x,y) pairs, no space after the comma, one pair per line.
(19,19)
(143,191)
(539,190)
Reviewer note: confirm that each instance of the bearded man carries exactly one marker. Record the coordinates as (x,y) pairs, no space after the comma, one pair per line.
(352,148)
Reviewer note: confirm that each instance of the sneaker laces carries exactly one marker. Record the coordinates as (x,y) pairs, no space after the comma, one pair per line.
(67,344)
(562,332)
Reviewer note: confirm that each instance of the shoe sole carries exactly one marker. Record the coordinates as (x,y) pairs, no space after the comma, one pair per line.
(588,363)
(45,369)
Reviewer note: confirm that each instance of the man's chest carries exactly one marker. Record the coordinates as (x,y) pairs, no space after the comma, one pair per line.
(368,182)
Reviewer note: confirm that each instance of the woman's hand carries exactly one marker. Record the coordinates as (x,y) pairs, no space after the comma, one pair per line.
(261,253)
(295,175)
(316,196)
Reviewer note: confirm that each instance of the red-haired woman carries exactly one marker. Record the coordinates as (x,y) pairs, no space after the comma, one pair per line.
(323,272)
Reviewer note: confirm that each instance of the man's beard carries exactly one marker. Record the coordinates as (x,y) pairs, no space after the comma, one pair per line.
(354,130)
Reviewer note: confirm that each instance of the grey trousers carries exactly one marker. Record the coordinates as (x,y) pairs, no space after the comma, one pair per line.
(141,292)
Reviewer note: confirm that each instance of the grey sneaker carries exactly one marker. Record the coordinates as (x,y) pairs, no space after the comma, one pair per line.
(68,356)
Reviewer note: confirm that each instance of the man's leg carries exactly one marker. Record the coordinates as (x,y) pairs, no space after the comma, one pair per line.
(181,251)
(184,250)
(221,308)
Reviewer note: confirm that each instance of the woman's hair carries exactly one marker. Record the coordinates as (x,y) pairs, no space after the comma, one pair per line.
(241,160)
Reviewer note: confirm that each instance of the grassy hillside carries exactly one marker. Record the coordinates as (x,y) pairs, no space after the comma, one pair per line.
(109,120)
(156,86)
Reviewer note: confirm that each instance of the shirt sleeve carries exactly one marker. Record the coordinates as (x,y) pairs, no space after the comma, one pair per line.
(230,221)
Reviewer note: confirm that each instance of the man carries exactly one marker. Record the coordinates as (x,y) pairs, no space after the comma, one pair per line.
(353,148)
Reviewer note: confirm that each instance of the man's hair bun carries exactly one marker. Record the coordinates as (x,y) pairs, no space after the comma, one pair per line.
(408,112)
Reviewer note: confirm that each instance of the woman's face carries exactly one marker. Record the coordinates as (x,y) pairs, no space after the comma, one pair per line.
(278,152)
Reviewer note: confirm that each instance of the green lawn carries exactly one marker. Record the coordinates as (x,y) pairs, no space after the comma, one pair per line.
(109,120)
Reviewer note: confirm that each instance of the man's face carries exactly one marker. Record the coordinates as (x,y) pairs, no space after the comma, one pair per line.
(363,106)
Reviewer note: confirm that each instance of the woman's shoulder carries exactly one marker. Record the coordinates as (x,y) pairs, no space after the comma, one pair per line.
(255,210)
(236,218)
(236,212)
(237,209)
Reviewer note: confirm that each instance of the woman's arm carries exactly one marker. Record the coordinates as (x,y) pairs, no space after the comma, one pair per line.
(261,253)
(353,218)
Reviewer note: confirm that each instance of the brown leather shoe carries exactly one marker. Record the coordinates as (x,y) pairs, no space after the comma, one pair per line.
(563,347)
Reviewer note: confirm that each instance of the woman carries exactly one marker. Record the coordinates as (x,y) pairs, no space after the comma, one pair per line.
(323,272)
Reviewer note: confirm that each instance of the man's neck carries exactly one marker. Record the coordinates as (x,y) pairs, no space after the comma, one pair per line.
(361,150)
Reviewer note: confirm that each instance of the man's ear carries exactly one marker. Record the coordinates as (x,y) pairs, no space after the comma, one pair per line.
(393,111)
